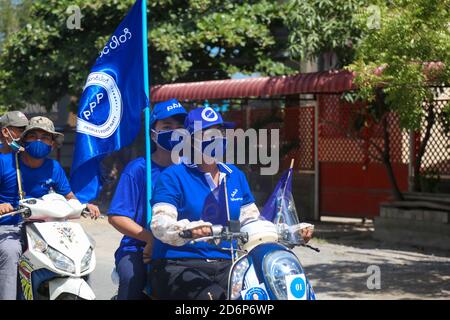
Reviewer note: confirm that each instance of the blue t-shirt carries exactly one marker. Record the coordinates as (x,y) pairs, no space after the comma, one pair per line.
(130,201)
(36,182)
(188,189)
(9,191)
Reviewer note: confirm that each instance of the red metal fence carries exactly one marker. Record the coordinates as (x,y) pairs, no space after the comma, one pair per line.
(353,180)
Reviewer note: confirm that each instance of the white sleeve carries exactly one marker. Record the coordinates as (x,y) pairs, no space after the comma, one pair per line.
(249,211)
(166,227)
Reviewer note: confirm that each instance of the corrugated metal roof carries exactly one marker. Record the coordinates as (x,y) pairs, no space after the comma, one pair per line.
(318,82)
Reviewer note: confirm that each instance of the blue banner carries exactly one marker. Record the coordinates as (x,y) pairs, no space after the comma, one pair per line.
(109,113)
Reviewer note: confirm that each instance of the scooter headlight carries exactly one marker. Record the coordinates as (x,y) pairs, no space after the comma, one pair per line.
(237,278)
(86,261)
(37,243)
(60,260)
(277,265)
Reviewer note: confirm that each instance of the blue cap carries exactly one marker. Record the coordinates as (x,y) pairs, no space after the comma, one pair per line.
(207,117)
(166,109)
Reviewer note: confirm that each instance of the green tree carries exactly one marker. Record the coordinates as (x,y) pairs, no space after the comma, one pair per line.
(13,15)
(320,26)
(188,40)
(400,61)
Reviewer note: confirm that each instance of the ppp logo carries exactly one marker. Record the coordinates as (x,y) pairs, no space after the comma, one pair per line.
(208,114)
(101,106)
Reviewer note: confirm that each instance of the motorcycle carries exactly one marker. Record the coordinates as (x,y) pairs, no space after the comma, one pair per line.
(265,268)
(58,255)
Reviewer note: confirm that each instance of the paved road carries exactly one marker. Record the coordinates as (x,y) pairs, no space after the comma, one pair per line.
(107,240)
(339,271)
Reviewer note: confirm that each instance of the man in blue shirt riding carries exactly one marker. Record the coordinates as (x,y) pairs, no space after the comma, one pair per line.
(189,196)
(180,202)
(128,210)
(12,124)
(39,176)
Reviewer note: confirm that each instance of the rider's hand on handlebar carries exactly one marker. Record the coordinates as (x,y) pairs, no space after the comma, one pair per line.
(5,208)
(94,211)
(307,233)
(201,232)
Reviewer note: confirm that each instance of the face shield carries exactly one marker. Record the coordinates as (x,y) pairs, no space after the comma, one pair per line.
(280,210)
(286,218)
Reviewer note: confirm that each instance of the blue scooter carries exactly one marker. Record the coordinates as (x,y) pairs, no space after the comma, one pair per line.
(265,268)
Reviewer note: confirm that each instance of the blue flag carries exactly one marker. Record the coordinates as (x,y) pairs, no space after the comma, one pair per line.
(109,113)
(281,200)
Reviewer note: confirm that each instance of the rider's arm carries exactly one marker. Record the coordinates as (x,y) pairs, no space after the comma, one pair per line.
(126,208)
(127,226)
(166,227)
(249,212)
(94,211)
(70,196)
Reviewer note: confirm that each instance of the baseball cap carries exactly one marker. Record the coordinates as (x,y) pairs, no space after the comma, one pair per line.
(207,117)
(13,119)
(165,110)
(45,124)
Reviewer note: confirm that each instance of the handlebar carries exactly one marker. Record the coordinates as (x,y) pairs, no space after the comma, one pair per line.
(186,234)
(85,212)
(218,232)
(24,212)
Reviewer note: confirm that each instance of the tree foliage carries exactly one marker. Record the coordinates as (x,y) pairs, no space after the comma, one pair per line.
(406,55)
(402,64)
(13,16)
(189,40)
(318,26)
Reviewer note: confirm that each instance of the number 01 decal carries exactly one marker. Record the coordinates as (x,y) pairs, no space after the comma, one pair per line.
(296,287)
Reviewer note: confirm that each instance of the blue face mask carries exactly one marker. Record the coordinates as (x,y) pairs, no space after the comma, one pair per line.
(219,148)
(164,139)
(38,149)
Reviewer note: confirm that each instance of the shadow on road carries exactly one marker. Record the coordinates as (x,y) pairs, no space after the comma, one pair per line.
(348,279)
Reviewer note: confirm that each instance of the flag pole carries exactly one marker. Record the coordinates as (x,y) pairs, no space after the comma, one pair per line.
(147,111)
(148,159)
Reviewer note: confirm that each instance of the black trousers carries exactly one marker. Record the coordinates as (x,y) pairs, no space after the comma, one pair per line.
(190,279)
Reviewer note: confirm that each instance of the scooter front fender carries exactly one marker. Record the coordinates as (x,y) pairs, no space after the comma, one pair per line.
(73,286)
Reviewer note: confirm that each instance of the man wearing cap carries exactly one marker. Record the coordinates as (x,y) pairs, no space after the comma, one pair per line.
(191,196)
(12,125)
(39,175)
(181,201)
(128,210)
